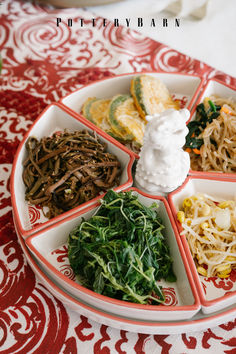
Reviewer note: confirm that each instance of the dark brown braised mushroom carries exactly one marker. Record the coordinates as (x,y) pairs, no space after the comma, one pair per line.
(68,169)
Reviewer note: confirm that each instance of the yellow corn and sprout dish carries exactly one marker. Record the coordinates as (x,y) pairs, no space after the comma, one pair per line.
(210,229)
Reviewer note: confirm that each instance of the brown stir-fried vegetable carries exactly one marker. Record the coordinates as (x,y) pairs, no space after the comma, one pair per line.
(67,169)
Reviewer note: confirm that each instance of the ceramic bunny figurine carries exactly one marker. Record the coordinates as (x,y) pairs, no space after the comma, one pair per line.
(163,164)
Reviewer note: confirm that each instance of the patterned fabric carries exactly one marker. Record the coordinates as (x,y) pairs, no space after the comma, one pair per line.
(42,63)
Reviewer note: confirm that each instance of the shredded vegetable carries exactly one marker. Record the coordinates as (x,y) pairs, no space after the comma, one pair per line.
(211,139)
(67,169)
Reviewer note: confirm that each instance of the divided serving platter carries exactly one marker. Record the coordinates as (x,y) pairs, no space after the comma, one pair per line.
(31,226)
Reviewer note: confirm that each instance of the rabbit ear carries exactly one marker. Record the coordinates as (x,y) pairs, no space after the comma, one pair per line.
(185,114)
(150,118)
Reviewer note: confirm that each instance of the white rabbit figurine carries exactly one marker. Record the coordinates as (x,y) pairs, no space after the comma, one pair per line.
(163,164)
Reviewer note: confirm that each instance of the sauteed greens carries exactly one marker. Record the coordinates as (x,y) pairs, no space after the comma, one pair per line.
(203,117)
(121,252)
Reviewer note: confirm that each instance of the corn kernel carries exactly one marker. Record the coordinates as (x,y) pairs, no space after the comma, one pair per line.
(225,272)
(222,275)
(189,222)
(204,225)
(206,210)
(202,271)
(187,203)
(181,216)
(223,268)
(225,204)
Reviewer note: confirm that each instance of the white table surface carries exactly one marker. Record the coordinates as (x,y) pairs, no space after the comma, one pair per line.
(211,40)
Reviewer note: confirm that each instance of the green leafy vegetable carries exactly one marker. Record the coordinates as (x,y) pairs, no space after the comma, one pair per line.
(121,252)
(196,127)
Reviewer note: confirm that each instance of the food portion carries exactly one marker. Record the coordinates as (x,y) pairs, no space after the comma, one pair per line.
(211,141)
(125,120)
(121,251)
(210,229)
(151,96)
(96,110)
(67,169)
(123,115)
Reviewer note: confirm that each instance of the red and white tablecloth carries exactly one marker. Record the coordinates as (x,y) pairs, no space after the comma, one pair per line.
(42,63)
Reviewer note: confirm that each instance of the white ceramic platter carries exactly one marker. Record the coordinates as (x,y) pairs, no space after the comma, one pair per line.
(215,293)
(199,322)
(182,302)
(54,118)
(183,314)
